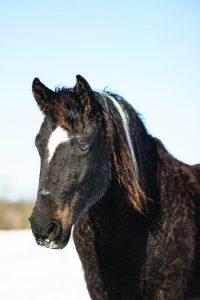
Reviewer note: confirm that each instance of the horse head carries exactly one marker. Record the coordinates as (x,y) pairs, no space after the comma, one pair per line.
(75,167)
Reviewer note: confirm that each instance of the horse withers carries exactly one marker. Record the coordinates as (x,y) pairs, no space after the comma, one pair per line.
(135,209)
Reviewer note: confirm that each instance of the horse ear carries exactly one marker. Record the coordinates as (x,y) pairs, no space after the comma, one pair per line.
(84,93)
(42,94)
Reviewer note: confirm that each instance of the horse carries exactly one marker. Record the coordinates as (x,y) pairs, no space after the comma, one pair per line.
(134,208)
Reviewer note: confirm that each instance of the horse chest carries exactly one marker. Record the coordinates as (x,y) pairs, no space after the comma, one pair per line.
(110,260)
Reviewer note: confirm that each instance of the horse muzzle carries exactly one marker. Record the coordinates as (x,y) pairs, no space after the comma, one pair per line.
(49,233)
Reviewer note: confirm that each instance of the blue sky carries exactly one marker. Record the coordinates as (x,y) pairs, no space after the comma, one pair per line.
(147,51)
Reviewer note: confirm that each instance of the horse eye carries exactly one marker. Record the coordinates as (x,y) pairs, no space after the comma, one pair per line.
(83,146)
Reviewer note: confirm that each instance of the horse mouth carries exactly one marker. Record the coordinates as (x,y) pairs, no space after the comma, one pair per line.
(56,244)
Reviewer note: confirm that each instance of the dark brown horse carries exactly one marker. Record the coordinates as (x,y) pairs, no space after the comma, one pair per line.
(134,207)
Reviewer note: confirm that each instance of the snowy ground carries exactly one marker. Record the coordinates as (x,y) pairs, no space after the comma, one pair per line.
(32,272)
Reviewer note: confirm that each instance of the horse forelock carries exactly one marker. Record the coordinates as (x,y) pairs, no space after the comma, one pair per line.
(66,110)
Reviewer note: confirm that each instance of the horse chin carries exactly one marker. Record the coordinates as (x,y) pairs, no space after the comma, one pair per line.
(59,243)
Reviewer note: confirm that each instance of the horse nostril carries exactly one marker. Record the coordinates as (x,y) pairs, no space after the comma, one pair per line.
(54,230)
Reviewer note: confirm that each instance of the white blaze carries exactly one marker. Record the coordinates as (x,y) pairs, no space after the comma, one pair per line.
(57,137)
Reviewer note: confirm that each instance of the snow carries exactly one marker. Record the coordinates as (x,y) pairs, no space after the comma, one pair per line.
(29,271)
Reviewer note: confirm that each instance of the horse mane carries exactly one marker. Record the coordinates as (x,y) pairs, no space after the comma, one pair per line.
(116,122)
